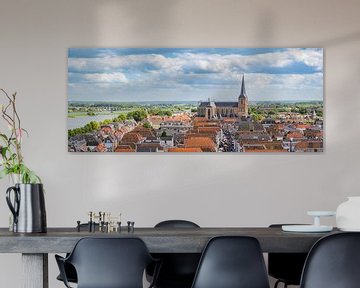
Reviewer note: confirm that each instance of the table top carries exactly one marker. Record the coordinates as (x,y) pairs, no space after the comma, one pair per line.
(158,240)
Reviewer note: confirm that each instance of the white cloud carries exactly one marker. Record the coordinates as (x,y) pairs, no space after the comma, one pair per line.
(200,74)
(106,77)
(310,57)
(150,61)
(199,62)
(291,81)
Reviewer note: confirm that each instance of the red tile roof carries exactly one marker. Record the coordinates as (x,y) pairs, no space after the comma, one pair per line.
(211,135)
(295,135)
(279,127)
(208,129)
(273,146)
(266,150)
(313,133)
(177,149)
(101,147)
(205,143)
(144,132)
(127,144)
(302,126)
(124,148)
(132,137)
(229,120)
(178,118)
(309,145)
(107,129)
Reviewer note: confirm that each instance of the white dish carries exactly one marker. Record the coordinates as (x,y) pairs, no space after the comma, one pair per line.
(350,229)
(306,228)
(321,213)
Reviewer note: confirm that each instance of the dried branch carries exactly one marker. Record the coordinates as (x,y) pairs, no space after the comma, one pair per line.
(14,122)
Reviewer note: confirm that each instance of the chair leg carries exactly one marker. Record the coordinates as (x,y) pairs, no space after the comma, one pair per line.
(278,282)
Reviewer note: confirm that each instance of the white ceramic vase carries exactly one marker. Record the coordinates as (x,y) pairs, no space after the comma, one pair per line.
(348,214)
(13,179)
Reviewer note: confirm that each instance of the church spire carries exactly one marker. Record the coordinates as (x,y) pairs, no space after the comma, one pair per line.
(243,91)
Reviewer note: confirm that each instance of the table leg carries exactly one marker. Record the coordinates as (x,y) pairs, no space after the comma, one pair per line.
(35,270)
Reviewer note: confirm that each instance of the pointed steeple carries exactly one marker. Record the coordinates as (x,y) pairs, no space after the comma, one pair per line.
(243,91)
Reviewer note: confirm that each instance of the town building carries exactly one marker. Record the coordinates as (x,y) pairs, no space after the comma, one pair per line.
(170,128)
(214,110)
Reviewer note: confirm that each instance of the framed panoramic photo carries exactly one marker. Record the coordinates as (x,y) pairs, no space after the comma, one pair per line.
(225,100)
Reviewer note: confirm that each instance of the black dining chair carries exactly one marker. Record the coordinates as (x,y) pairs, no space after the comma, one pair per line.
(232,262)
(108,263)
(70,271)
(333,262)
(286,267)
(178,269)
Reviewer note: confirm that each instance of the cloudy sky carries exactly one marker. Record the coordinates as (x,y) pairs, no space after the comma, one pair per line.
(167,74)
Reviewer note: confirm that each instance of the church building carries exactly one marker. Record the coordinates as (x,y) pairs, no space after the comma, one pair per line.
(216,110)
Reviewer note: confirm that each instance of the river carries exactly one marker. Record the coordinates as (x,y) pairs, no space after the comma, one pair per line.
(81,121)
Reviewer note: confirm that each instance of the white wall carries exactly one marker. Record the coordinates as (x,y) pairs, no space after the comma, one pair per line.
(213,190)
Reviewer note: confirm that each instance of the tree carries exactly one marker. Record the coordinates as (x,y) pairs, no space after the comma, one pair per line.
(272,112)
(319,112)
(89,127)
(257,117)
(147,125)
(168,113)
(302,110)
(120,118)
(159,112)
(94,125)
(137,115)
(163,134)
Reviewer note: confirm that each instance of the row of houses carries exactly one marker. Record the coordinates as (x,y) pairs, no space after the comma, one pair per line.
(105,139)
(183,133)
(174,134)
(254,137)
(142,139)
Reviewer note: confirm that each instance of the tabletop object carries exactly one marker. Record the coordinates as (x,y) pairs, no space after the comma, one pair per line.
(316,227)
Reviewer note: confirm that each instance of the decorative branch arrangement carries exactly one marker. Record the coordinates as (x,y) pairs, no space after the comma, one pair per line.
(12,161)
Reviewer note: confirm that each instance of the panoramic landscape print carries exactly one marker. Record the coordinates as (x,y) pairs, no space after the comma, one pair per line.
(195,100)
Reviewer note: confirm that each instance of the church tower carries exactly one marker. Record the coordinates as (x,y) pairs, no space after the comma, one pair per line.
(210,110)
(243,101)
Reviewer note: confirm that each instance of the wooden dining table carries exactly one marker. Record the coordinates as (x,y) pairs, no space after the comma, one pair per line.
(35,247)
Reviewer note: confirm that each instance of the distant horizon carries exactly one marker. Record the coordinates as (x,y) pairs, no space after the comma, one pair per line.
(181,74)
(187,101)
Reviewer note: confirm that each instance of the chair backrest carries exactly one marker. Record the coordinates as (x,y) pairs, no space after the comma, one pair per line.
(286,266)
(177,224)
(232,262)
(333,262)
(177,267)
(110,262)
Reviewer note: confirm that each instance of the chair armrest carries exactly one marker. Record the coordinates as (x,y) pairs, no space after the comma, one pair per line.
(158,264)
(61,264)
